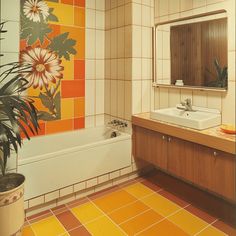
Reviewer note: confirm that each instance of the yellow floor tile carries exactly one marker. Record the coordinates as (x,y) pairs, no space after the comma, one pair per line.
(160,204)
(164,228)
(210,231)
(138,190)
(125,213)
(86,212)
(140,222)
(48,226)
(188,222)
(114,200)
(27,231)
(104,226)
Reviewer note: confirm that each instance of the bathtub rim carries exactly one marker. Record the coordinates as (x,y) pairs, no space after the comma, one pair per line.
(58,154)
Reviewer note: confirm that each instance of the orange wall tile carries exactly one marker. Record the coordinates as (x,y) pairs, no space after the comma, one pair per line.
(79,123)
(80,3)
(59,126)
(79,107)
(73,88)
(79,69)
(79,16)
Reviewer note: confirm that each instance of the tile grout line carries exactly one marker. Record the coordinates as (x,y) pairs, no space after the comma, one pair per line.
(164,218)
(211,225)
(110,218)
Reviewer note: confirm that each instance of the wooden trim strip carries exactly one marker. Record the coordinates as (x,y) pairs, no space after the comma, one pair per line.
(191,17)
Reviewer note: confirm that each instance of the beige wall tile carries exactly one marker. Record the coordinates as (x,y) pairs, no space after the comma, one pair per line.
(199,3)
(136,41)
(146,68)
(66,191)
(199,98)
(146,16)
(121,98)
(214,100)
(128,41)
(13,13)
(51,196)
(113,97)
(107,4)
(128,100)
(79,186)
(120,42)
(90,20)
(186,5)
(174,97)
(100,74)
(128,14)
(108,19)
(99,119)
(91,182)
(231,65)
(100,96)
(146,42)
(103,178)
(90,4)
(136,68)
(36,201)
(107,97)
(100,47)
(136,13)
(114,68)
(114,174)
(90,44)
(100,20)
(163,7)
(146,95)
(90,97)
(128,68)
(164,98)
(228,104)
(113,17)
(121,69)
(89,121)
(126,170)
(136,97)
(100,5)
(121,16)
(174,6)
(113,3)
(90,69)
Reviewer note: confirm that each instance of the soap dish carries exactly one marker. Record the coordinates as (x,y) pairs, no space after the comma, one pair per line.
(228,129)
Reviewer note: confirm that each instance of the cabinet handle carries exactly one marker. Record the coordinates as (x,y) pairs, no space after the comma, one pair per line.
(169,139)
(215,153)
(163,137)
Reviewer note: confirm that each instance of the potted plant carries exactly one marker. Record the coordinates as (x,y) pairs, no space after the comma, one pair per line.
(18,116)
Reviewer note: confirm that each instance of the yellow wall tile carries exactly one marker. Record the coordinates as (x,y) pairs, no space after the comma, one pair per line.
(68,72)
(67,108)
(64,13)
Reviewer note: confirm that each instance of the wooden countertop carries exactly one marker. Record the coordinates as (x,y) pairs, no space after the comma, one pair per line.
(212,137)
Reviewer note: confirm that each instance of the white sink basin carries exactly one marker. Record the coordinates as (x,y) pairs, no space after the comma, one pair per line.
(200,119)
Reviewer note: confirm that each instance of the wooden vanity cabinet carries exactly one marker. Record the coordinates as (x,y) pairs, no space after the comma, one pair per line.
(205,167)
(180,158)
(150,146)
(215,171)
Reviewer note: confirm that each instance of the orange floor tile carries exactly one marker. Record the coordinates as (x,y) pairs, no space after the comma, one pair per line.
(129,209)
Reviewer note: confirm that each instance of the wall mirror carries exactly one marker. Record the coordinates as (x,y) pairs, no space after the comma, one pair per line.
(192,52)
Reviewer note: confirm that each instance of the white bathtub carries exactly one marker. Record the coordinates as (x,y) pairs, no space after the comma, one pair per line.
(56,161)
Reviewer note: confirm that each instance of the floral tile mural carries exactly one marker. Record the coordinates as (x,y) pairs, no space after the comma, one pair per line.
(52,43)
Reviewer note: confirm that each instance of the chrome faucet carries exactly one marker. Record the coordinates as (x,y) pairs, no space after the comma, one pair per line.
(187,105)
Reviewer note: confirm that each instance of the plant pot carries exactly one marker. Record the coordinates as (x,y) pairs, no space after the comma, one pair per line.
(12,214)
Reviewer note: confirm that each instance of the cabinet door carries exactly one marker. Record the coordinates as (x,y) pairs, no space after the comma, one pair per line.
(181,158)
(150,146)
(215,170)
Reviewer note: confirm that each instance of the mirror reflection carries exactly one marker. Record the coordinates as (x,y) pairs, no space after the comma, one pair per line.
(193,53)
